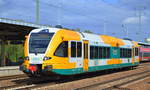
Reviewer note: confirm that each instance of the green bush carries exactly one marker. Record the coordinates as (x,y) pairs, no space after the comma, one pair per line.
(14,52)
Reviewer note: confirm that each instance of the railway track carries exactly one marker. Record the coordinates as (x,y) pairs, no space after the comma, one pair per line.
(28,83)
(144,64)
(12,77)
(117,83)
(34,84)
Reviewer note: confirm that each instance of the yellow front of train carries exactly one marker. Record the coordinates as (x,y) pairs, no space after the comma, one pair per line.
(47,51)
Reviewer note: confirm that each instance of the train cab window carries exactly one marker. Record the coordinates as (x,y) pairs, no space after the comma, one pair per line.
(38,42)
(73,49)
(79,49)
(62,50)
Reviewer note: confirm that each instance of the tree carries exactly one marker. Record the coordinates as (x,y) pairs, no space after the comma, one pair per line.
(77,29)
(87,31)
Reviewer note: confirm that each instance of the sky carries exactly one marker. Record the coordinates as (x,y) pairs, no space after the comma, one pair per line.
(118,18)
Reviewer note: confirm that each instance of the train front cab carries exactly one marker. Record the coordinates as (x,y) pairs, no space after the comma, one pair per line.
(58,57)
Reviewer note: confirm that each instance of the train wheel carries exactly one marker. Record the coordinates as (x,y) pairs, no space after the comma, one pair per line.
(34,75)
(131,67)
(30,75)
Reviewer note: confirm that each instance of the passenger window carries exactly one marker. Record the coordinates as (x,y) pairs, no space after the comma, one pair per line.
(108,52)
(62,50)
(120,52)
(79,49)
(76,49)
(92,52)
(125,53)
(96,52)
(73,49)
(104,50)
(100,52)
(129,53)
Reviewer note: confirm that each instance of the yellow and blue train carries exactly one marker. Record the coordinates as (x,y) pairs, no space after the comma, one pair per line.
(55,51)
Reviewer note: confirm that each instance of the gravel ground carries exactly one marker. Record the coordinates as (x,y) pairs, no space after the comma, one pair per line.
(89,81)
(6,83)
(143,84)
(11,82)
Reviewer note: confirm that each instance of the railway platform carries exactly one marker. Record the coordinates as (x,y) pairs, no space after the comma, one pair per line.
(9,71)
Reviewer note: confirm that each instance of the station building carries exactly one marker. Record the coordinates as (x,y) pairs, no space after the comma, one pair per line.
(12,36)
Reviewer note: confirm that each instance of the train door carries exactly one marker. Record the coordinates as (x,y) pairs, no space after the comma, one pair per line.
(76,53)
(86,52)
(133,54)
(115,55)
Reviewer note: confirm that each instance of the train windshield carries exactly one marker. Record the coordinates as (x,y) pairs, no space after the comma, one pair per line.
(38,42)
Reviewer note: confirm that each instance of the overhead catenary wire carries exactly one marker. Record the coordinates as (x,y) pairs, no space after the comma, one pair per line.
(60,7)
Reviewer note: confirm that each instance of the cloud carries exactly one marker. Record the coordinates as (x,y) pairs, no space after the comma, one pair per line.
(132,4)
(134,20)
(79,13)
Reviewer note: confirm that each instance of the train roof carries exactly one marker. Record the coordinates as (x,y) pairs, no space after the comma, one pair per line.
(83,34)
(144,44)
(113,41)
(44,29)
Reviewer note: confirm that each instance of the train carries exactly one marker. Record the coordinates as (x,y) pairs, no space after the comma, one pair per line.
(144,51)
(58,51)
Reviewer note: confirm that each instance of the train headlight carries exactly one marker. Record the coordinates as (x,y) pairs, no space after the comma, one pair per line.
(26,58)
(46,58)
